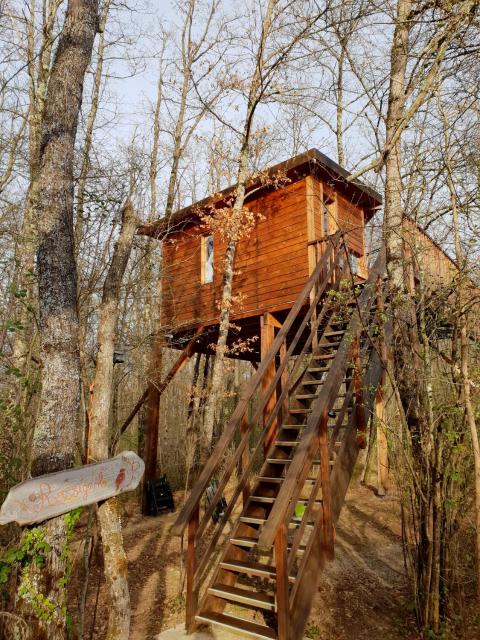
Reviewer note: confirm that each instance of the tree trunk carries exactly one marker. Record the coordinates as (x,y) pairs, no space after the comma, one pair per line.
(56,429)
(38,64)
(393,216)
(108,512)
(90,124)
(80,211)
(218,369)
(340,106)
(216,390)
(407,364)
(462,297)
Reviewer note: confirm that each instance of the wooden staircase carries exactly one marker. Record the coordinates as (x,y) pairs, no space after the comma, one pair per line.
(286,457)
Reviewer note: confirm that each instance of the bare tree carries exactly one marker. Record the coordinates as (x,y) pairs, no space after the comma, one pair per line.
(55,431)
(108,512)
(234,222)
(413,357)
(462,303)
(194,49)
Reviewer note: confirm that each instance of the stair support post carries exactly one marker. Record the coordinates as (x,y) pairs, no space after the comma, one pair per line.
(281,565)
(267,337)
(380,409)
(192,590)
(245,459)
(152,396)
(360,421)
(326,530)
(284,382)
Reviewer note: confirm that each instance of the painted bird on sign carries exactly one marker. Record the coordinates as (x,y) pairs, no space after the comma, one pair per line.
(120,478)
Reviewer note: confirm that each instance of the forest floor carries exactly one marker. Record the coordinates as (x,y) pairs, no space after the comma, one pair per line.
(362,594)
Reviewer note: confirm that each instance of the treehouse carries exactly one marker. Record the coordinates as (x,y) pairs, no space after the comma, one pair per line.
(260,519)
(299,204)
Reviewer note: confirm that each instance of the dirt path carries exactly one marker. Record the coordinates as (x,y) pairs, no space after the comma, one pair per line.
(362,594)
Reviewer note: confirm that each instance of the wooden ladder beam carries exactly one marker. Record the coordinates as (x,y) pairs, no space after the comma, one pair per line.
(153,397)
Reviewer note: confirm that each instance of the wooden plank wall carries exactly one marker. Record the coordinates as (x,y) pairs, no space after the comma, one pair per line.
(271,264)
(439,269)
(348,217)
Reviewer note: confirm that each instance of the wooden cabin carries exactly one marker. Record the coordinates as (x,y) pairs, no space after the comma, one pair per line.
(421,251)
(295,434)
(300,203)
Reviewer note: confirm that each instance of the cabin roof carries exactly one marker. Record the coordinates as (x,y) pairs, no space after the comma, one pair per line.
(308,163)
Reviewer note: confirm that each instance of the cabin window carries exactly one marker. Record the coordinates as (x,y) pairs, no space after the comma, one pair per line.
(353,260)
(327,215)
(207,260)
(326,226)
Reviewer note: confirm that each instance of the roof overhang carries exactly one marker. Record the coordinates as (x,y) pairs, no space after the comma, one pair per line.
(312,162)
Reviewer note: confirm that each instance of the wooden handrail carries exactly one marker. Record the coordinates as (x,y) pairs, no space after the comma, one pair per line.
(240,449)
(307,446)
(306,517)
(193,501)
(242,481)
(314,555)
(286,391)
(184,356)
(317,550)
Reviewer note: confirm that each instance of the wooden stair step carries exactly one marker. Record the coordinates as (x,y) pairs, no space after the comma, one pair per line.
(263,499)
(324,356)
(278,461)
(244,541)
(318,369)
(296,443)
(243,596)
(252,519)
(294,411)
(251,543)
(294,522)
(279,480)
(233,623)
(307,383)
(293,426)
(252,569)
(332,334)
(306,396)
(271,500)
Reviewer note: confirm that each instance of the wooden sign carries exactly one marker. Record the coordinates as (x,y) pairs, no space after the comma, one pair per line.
(47,496)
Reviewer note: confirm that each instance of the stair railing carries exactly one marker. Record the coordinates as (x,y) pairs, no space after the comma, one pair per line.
(315,441)
(221,464)
(317,548)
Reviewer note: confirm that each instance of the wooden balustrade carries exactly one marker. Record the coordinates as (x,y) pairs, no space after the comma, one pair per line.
(272,403)
(309,443)
(357,364)
(323,514)
(240,411)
